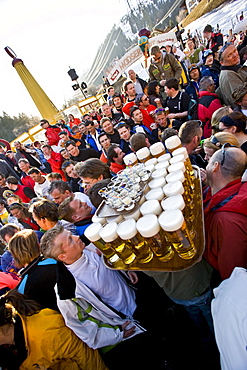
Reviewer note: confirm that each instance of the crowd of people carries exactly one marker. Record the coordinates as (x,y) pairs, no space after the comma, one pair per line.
(60,306)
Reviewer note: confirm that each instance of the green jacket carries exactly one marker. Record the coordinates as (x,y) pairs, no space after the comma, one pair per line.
(167,68)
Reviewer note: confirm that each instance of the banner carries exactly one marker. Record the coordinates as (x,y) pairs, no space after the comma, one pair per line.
(135,53)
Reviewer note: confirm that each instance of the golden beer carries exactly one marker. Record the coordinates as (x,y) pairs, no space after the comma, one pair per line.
(148,226)
(176,233)
(92,233)
(109,234)
(128,232)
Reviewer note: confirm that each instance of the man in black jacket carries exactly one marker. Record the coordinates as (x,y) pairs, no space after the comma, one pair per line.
(80,155)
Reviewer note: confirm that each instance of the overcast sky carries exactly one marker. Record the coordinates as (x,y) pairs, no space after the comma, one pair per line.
(50,36)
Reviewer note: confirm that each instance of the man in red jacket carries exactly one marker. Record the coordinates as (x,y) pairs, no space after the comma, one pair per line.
(208,103)
(225,211)
(51,133)
(55,160)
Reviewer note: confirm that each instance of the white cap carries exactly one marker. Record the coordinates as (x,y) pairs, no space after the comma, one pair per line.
(109,232)
(92,231)
(157,183)
(135,215)
(143,153)
(175,176)
(156,193)
(156,148)
(163,164)
(151,161)
(148,225)
(172,142)
(159,173)
(177,158)
(182,150)
(179,166)
(173,202)
(116,219)
(150,206)
(164,157)
(171,220)
(130,158)
(95,218)
(127,229)
(173,188)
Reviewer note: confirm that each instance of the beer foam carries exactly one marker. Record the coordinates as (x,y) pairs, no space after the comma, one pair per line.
(182,150)
(148,225)
(156,193)
(159,182)
(171,220)
(173,188)
(173,202)
(109,232)
(163,164)
(127,229)
(159,173)
(177,158)
(157,148)
(151,206)
(164,157)
(172,142)
(179,166)
(143,153)
(151,161)
(135,215)
(175,176)
(130,159)
(92,231)
(116,219)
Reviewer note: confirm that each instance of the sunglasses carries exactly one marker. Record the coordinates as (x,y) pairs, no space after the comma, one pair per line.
(223,151)
(215,141)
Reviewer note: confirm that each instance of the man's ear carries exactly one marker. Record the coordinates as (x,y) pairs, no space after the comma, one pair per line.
(216,166)
(101,177)
(75,217)
(61,257)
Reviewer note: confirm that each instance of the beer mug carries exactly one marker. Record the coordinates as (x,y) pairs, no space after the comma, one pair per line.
(159,173)
(110,236)
(173,202)
(148,226)
(177,233)
(162,165)
(164,157)
(135,215)
(127,231)
(151,161)
(159,182)
(156,193)
(130,159)
(143,154)
(92,233)
(157,149)
(172,143)
(173,188)
(151,206)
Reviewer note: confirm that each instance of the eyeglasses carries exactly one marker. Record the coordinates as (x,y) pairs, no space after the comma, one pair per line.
(145,98)
(223,49)
(200,123)
(223,129)
(223,151)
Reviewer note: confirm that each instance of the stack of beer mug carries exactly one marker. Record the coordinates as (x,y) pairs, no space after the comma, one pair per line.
(161,230)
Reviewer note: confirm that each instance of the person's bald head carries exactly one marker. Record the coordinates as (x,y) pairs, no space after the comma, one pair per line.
(225,166)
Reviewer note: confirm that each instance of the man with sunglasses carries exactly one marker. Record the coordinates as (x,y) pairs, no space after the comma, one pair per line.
(225,212)
(232,74)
